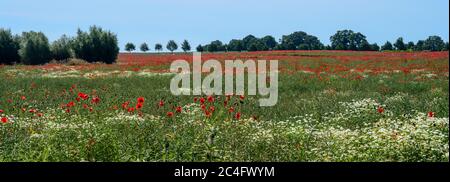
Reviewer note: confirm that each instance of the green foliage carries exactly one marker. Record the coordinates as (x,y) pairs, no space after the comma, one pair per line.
(235,45)
(387,46)
(34,48)
(172,46)
(96,45)
(269,42)
(158,47)
(434,43)
(348,40)
(300,41)
(9,47)
(399,44)
(130,47)
(215,46)
(200,48)
(410,45)
(144,47)
(61,49)
(185,46)
(374,47)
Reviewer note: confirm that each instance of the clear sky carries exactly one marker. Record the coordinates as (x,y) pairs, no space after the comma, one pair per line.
(201,21)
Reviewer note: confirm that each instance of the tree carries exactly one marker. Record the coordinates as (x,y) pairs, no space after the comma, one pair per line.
(269,42)
(60,48)
(348,40)
(374,47)
(9,48)
(96,45)
(144,47)
(300,41)
(399,44)
(172,46)
(446,46)
(257,45)
(365,46)
(130,47)
(410,46)
(419,45)
(387,46)
(34,48)
(200,48)
(158,47)
(434,43)
(215,46)
(247,39)
(235,45)
(185,46)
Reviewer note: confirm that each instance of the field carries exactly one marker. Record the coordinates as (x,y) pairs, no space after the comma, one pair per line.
(332,106)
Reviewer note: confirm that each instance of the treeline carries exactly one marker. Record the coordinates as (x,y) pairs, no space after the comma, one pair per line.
(342,40)
(33,48)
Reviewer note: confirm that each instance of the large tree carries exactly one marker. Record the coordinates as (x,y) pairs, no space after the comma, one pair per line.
(172,46)
(215,46)
(300,41)
(9,47)
(269,42)
(348,40)
(34,48)
(96,45)
(434,43)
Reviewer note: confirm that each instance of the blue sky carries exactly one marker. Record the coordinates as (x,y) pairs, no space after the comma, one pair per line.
(201,21)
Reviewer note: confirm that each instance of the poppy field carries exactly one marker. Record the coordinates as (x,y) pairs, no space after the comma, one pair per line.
(332,106)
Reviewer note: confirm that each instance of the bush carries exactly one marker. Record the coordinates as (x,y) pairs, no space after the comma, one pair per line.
(34,48)
(96,45)
(8,48)
(61,48)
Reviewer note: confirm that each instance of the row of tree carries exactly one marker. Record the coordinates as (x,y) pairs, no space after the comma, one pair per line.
(342,40)
(32,48)
(171,46)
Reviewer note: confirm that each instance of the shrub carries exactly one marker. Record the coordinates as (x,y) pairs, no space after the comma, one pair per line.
(8,48)
(34,48)
(96,45)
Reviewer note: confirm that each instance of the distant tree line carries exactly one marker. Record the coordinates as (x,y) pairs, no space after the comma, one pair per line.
(33,48)
(341,40)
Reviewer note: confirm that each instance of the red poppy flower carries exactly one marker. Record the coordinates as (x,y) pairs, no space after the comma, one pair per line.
(169,114)
(161,103)
(203,107)
(91,109)
(78,99)
(131,109)
(1,111)
(23,98)
(70,104)
(40,114)
(211,108)
(179,109)
(32,111)
(380,110)
(139,105)
(125,105)
(202,100)
(4,120)
(207,113)
(430,114)
(85,106)
(210,99)
(67,110)
(238,116)
(242,97)
(231,110)
(140,100)
(95,100)
(225,103)
(195,99)
(83,95)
